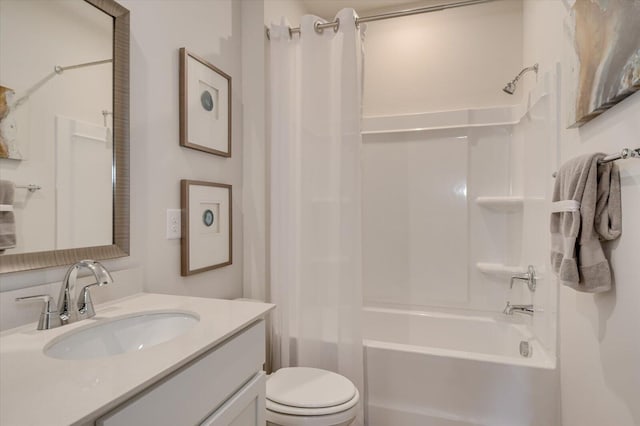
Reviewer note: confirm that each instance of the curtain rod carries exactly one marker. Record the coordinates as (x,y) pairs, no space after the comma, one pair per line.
(319,27)
(57,70)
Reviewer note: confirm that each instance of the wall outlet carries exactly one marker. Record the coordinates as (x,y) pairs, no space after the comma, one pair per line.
(174,224)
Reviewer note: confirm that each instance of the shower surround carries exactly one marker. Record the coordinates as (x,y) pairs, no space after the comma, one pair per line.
(437,265)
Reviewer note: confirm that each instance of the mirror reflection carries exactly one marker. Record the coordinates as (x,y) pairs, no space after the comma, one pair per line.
(56,137)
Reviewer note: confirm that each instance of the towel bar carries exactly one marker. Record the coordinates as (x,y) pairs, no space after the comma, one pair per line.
(622,155)
(31,187)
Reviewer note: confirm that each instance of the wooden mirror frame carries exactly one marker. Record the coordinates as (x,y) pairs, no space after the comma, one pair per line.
(120,247)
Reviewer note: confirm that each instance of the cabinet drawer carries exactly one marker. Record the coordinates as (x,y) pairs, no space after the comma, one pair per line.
(198,389)
(245,408)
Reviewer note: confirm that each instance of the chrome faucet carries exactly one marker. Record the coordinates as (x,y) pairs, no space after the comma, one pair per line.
(71,311)
(68,309)
(529,277)
(519,309)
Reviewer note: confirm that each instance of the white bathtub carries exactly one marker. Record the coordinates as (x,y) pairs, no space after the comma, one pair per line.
(438,369)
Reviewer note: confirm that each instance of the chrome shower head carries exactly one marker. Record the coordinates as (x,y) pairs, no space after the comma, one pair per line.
(511,86)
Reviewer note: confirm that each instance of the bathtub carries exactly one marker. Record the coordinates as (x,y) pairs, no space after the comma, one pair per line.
(441,369)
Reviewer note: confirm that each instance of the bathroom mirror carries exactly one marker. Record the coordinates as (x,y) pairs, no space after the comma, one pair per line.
(64,132)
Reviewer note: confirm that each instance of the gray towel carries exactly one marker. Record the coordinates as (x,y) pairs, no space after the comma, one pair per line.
(576,252)
(7,218)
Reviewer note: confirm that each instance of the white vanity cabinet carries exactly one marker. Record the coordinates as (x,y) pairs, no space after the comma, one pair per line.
(223,387)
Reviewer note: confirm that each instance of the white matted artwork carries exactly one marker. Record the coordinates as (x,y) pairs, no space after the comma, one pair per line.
(205,106)
(206,226)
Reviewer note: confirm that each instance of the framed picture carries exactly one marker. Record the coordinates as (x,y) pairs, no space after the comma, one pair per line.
(205,106)
(206,226)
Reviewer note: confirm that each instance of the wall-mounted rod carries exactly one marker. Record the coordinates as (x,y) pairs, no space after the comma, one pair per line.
(622,155)
(57,70)
(319,27)
(30,187)
(418,10)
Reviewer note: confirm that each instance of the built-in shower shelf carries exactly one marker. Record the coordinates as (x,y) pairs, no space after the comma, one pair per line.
(499,269)
(507,203)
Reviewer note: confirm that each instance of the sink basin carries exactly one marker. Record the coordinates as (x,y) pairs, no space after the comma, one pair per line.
(113,337)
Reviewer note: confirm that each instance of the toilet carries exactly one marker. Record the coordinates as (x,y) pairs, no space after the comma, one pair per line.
(303,396)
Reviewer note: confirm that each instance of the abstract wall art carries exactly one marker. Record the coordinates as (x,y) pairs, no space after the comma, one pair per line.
(9,142)
(605,67)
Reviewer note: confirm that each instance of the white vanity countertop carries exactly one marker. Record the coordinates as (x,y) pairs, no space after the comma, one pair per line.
(38,390)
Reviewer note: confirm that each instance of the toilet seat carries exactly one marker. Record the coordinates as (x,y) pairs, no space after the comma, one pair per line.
(309,388)
(304,396)
(320,411)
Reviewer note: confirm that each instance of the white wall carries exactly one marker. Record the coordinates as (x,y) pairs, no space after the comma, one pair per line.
(293,10)
(455,59)
(158,29)
(598,338)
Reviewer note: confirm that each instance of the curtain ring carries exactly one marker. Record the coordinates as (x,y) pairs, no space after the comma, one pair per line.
(336,27)
(290,33)
(267,32)
(316,26)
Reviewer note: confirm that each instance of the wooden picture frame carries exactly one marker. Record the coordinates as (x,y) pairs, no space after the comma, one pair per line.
(207,231)
(205,106)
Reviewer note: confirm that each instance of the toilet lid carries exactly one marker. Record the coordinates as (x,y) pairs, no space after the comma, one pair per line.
(305,387)
(311,412)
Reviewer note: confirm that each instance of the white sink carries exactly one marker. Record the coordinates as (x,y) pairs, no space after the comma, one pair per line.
(113,337)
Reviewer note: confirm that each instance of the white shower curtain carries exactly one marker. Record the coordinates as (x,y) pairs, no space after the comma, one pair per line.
(316,276)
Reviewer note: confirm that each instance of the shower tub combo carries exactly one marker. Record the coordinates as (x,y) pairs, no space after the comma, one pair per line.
(441,369)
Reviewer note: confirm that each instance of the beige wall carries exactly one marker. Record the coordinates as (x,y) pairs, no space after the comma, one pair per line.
(158,30)
(598,339)
(455,59)
(290,9)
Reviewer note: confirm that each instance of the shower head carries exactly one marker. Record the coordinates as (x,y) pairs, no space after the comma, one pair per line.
(511,86)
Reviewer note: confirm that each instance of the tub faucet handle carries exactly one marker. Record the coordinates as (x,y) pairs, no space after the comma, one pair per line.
(529,277)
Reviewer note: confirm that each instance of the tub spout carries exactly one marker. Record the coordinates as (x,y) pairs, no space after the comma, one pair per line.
(520,309)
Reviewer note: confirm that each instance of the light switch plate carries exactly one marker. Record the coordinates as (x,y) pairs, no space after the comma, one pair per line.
(174,224)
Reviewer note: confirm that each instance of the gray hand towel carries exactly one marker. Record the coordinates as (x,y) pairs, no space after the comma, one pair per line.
(7,218)
(576,252)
